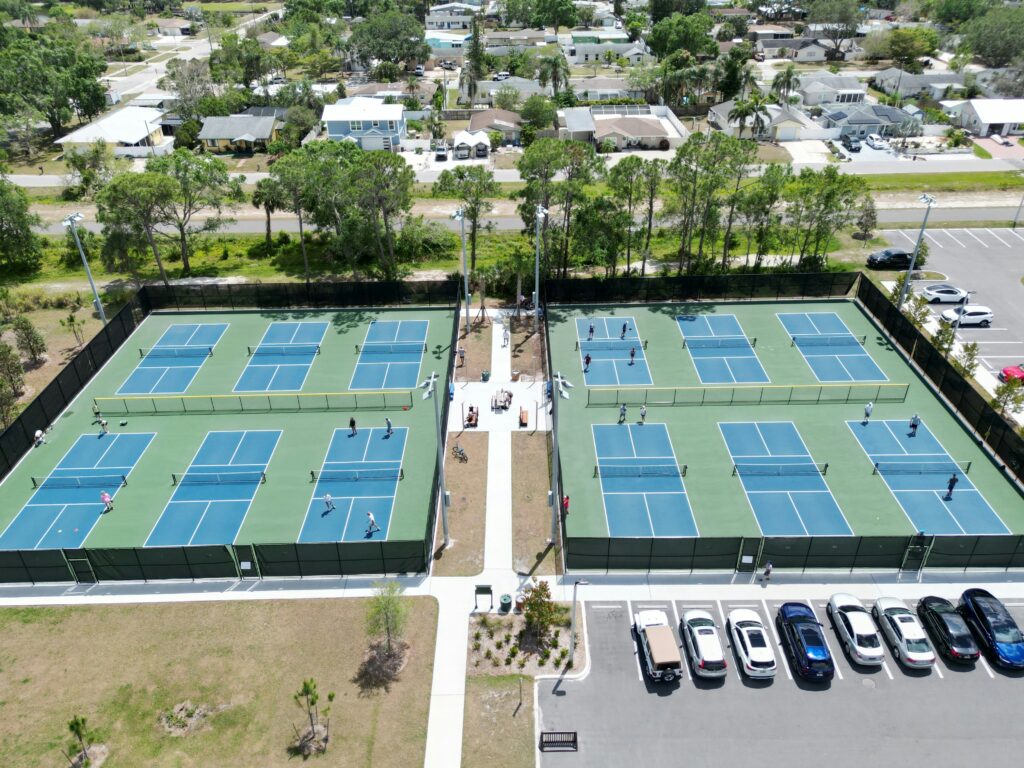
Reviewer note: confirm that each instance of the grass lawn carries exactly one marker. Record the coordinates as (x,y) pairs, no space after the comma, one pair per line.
(980,151)
(771,153)
(945,182)
(119,70)
(122,667)
(498,727)
(51,165)
(159,58)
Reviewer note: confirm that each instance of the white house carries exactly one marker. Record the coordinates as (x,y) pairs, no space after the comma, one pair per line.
(818,88)
(467,144)
(624,126)
(780,123)
(799,49)
(131,132)
(603,88)
(370,123)
(985,117)
(449,16)
(485,89)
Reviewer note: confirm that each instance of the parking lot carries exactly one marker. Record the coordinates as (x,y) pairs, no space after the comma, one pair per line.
(944,717)
(990,263)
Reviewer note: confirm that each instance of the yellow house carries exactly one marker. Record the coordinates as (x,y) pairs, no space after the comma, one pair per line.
(239,133)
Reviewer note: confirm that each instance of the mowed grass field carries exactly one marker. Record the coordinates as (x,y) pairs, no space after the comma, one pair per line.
(720,506)
(123,666)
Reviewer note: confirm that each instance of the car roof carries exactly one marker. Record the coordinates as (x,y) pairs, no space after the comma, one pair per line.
(797,610)
(887,603)
(938,604)
(861,623)
(737,615)
(709,645)
(696,613)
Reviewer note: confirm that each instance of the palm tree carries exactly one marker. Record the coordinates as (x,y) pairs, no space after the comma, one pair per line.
(412,86)
(758,113)
(554,70)
(742,110)
(269,196)
(786,82)
(748,80)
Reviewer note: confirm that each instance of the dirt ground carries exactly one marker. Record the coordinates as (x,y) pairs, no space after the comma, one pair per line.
(527,350)
(494,646)
(531,515)
(467,484)
(498,728)
(123,667)
(477,346)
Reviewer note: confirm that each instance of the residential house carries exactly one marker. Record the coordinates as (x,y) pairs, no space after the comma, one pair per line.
(174,27)
(446,46)
(508,124)
(425,89)
(861,119)
(797,49)
(937,85)
(504,42)
(370,123)
(279,112)
(239,133)
(604,89)
(780,122)
(156,99)
(449,16)
(758,32)
(986,117)
(584,48)
(485,89)
(626,126)
(817,88)
(467,144)
(130,132)
(726,13)
(270,41)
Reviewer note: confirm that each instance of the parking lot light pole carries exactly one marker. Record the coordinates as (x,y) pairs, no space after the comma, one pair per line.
(460,216)
(963,308)
(572,621)
(71,223)
(929,201)
(430,385)
(540,213)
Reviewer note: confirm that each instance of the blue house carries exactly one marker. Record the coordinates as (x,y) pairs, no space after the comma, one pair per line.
(370,123)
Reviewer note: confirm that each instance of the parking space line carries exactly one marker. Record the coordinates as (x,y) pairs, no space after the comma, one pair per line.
(824,635)
(725,636)
(986,667)
(909,238)
(938,668)
(973,235)
(952,237)
(780,651)
(931,237)
(997,237)
(682,650)
(635,636)
(885,666)
(1014,233)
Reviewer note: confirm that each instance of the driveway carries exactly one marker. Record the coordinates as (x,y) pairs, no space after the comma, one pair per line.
(1013,152)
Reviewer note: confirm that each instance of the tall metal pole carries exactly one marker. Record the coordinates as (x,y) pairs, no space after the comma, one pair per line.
(432,392)
(929,201)
(536,269)
(71,222)
(572,620)
(465,272)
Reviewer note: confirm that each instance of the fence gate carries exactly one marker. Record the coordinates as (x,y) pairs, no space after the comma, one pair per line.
(82,570)
(916,553)
(248,567)
(749,555)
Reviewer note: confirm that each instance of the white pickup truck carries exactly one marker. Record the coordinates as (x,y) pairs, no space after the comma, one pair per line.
(658,645)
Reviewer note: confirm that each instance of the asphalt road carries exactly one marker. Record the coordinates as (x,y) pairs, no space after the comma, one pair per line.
(990,262)
(886,716)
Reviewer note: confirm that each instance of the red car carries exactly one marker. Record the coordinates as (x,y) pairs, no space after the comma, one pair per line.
(1013,372)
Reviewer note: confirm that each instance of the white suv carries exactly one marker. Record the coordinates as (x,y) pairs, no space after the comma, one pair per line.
(972,314)
(701,637)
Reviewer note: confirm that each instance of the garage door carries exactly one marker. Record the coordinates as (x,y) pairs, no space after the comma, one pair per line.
(373,142)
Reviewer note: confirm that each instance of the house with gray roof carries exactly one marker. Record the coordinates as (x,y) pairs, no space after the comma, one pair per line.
(861,119)
(798,49)
(239,133)
(604,88)
(508,124)
(937,85)
(819,88)
(589,53)
(628,126)
(779,123)
(485,89)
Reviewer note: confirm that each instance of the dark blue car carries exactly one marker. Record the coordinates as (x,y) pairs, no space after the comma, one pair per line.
(804,639)
(997,632)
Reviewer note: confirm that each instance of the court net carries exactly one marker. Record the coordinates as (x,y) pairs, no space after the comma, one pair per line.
(80,481)
(284,349)
(353,475)
(719,342)
(748,394)
(176,352)
(640,470)
(828,340)
(249,477)
(779,470)
(159,405)
(921,467)
(391,347)
(602,344)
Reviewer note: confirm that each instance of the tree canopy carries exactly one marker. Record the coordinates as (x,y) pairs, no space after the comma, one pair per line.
(390,36)
(997,37)
(683,33)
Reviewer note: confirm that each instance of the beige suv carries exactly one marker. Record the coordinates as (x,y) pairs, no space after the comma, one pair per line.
(658,644)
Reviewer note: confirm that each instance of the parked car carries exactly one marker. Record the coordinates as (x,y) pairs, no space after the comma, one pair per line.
(658,645)
(448,64)
(904,632)
(856,630)
(852,143)
(993,626)
(419,71)
(499,76)
(876,142)
(1012,372)
(949,632)
(441,152)
(1001,140)
(971,314)
(890,258)
(803,637)
(702,644)
(751,643)
(943,293)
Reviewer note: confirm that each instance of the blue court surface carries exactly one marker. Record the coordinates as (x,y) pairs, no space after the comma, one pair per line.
(609,350)
(66,504)
(281,361)
(827,345)
(361,473)
(390,355)
(641,483)
(784,486)
(212,497)
(169,367)
(721,351)
(917,471)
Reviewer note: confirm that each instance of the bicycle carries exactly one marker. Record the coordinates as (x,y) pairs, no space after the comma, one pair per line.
(459,453)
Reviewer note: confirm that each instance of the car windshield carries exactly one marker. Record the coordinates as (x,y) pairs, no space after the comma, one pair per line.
(756,639)
(1003,626)
(868,641)
(920,645)
(695,623)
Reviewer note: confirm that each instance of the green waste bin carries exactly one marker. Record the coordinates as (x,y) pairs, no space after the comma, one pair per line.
(485,375)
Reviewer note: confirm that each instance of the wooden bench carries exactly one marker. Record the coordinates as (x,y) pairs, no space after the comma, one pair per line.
(524,417)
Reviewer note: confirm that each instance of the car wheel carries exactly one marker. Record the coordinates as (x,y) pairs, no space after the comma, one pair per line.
(936,300)
(668,677)
(985,323)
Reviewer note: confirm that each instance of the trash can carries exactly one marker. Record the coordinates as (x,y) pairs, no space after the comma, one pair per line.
(451,390)
(485,375)
(515,375)
(506,603)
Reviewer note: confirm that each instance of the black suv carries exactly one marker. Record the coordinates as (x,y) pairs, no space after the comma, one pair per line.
(852,143)
(889,258)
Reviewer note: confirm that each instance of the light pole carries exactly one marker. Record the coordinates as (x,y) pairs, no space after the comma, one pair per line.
(929,201)
(430,385)
(540,213)
(71,223)
(572,621)
(960,314)
(460,216)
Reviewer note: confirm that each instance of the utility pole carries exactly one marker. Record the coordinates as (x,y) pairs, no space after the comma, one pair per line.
(929,201)
(71,222)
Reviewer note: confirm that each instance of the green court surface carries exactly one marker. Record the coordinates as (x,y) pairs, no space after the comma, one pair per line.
(748,459)
(218,447)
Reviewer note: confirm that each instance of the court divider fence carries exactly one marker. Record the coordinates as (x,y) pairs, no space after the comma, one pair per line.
(752,394)
(229,561)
